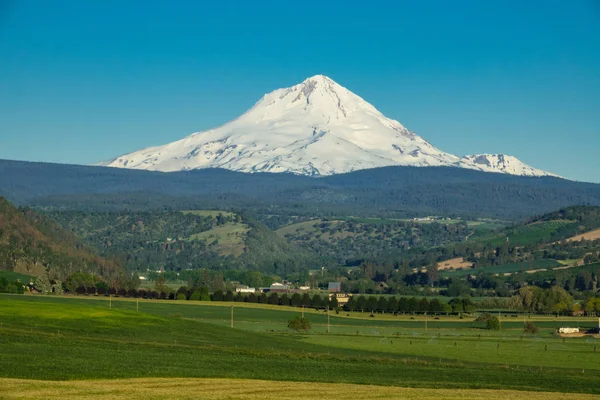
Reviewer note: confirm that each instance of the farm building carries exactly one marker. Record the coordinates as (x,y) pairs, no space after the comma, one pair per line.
(279,288)
(334,287)
(568,330)
(342,298)
(245,289)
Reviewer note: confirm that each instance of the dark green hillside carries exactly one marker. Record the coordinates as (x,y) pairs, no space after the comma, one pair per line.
(32,243)
(398,192)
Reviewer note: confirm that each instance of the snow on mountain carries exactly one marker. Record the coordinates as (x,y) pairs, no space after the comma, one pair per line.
(314,128)
(502,163)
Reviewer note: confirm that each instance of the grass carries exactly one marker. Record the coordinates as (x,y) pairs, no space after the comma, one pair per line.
(304,227)
(55,338)
(532,233)
(213,389)
(230,236)
(13,276)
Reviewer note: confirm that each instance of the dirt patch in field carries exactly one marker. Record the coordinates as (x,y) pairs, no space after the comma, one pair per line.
(455,263)
(533,271)
(591,235)
(213,389)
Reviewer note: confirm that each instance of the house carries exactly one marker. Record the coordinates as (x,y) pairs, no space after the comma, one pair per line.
(334,287)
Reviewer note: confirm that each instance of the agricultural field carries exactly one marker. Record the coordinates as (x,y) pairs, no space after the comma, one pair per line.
(591,235)
(246,389)
(91,338)
(536,232)
(511,268)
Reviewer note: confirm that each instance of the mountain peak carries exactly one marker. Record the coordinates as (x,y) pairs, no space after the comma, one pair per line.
(318,78)
(316,127)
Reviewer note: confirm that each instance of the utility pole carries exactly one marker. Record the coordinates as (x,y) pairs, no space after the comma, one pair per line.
(137,304)
(232,315)
(328,324)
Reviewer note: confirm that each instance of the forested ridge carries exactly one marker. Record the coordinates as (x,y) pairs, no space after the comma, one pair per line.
(397,192)
(32,243)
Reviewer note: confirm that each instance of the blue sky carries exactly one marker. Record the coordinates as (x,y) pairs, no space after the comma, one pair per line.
(84,81)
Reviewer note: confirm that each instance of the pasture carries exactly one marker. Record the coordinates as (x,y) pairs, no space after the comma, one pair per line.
(81,338)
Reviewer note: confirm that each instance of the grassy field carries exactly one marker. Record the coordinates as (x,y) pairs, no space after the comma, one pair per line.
(245,389)
(532,233)
(77,338)
(13,276)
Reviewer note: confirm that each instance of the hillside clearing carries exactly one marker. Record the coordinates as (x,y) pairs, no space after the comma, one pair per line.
(455,263)
(592,235)
(228,239)
(209,213)
(213,389)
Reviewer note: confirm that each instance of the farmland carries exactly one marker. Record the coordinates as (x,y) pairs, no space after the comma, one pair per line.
(82,338)
(245,389)
(537,232)
(505,268)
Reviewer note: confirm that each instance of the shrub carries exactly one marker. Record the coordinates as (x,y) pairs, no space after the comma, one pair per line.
(195,296)
(299,324)
(181,296)
(530,328)
(492,324)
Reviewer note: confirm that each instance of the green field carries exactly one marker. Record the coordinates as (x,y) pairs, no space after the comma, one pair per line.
(14,276)
(73,338)
(532,233)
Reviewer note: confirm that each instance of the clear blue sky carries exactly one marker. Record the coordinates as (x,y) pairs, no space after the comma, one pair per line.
(84,81)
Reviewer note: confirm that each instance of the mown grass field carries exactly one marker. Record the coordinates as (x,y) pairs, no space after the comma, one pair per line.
(80,338)
(246,389)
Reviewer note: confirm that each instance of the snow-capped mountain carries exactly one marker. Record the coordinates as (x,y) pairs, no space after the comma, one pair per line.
(314,128)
